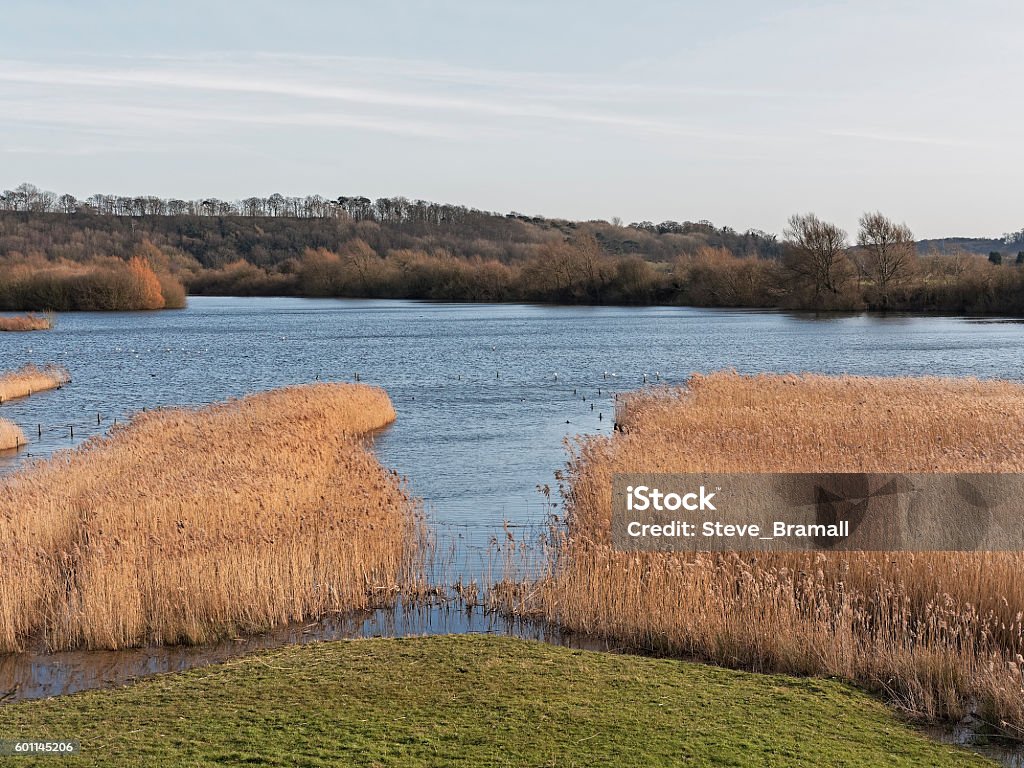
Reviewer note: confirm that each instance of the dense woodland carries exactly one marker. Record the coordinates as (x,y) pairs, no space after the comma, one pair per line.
(114,252)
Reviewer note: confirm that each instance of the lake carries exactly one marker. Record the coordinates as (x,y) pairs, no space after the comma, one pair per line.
(485,393)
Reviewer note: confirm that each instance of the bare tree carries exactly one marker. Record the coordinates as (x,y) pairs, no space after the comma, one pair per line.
(275,204)
(67,203)
(362,260)
(816,254)
(888,251)
(176,207)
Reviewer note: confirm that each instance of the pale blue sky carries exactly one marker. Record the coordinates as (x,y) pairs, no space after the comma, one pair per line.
(739,112)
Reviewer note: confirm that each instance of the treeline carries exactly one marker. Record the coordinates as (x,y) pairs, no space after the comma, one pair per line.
(818,268)
(578,272)
(267,231)
(57,253)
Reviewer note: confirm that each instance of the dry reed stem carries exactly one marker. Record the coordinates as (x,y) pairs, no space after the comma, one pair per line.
(27,322)
(939,633)
(187,525)
(11,436)
(30,379)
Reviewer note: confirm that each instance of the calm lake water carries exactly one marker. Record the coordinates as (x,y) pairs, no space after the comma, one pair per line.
(485,394)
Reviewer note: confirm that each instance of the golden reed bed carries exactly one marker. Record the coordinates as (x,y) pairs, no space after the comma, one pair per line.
(11,436)
(187,525)
(939,634)
(29,379)
(28,322)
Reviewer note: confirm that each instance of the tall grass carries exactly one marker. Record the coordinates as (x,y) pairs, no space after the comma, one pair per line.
(30,379)
(939,634)
(187,525)
(11,436)
(27,322)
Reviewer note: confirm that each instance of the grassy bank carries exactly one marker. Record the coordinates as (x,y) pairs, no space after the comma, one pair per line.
(29,322)
(938,634)
(30,379)
(186,525)
(475,701)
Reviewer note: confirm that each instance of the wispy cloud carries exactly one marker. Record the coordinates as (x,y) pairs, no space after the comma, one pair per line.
(85,150)
(128,119)
(517,99)
(899,138)
(559,85)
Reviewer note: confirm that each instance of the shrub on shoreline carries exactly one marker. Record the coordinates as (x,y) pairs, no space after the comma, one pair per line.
(99,285)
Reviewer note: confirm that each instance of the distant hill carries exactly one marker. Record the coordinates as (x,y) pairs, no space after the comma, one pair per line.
(1008,245)
(270,231)
(267,231)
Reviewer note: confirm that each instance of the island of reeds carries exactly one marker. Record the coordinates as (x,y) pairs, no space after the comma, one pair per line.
(188,525)
(11,436)
(30,379)
(26,322)
(938,634)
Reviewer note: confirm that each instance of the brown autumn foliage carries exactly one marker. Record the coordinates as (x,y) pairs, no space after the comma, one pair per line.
(397,248)
(103,283)
(146,285)
(713,277)
(271,231)
(578,271)
(939,634)
(571,272)
(29,379)
(189,525)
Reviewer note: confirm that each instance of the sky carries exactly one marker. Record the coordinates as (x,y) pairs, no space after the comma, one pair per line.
(741,112)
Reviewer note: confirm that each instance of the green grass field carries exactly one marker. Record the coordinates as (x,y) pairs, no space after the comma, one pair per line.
(473,701)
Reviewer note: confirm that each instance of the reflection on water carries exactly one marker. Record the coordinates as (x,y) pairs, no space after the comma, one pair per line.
(37,675)
(1009,754)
